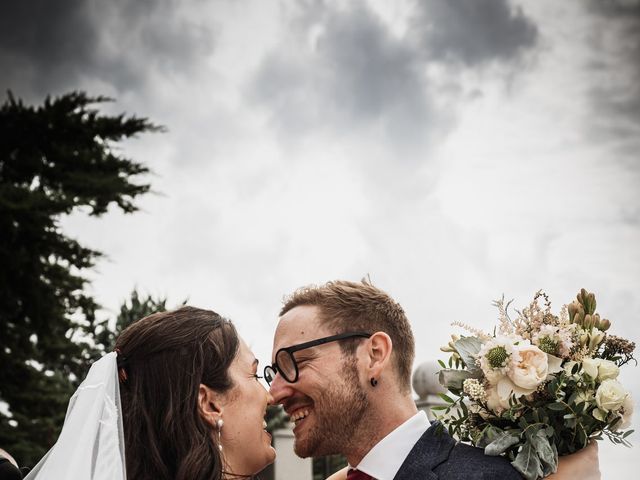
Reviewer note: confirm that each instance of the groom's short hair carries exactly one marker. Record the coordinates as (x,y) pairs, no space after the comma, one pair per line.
(359,306)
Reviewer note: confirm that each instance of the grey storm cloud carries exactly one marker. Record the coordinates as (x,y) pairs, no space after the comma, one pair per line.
(473,32)
(616,67)
(352,70)
(349,72)
(53,46)
(43,43)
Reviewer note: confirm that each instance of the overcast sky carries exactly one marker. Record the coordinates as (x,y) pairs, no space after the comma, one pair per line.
(452,150)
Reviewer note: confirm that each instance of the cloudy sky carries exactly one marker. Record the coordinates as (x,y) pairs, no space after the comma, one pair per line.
(453,150)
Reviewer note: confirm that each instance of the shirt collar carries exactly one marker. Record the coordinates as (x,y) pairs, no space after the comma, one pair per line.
(385,459)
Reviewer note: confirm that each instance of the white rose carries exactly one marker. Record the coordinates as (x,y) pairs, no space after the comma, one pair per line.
(627,413)
(495,403)
(610,395)
(505,389)
(555,365)
(530,368)
(607,369)
(493,376)
(590,367)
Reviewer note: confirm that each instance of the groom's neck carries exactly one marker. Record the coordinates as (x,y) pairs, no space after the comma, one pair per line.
(386,413)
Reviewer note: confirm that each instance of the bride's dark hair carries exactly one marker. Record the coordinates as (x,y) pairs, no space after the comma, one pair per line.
(165,357)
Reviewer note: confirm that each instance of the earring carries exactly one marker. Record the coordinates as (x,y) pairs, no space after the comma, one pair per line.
(219,425)
(374,382)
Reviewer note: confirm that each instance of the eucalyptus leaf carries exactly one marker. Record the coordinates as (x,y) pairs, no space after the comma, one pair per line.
(502,443)
(547,452)
(528,463)
(488,435)
(451,378)
(468,348)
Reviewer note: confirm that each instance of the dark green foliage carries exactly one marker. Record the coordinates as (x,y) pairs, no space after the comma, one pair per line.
(131,310)
(54,159)
(276,418)
(328,465)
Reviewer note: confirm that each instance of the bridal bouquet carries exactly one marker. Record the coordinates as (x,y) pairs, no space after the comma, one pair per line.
(541,385)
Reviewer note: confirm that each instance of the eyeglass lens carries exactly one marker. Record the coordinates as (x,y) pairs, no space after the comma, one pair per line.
(286,365)
(269,374)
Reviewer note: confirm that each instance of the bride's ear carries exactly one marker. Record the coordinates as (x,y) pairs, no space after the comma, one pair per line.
(209,404)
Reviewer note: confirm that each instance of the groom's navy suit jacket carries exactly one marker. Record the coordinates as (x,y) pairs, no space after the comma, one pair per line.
(437,456)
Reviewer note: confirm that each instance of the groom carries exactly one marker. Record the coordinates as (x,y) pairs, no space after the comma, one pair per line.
(343,354)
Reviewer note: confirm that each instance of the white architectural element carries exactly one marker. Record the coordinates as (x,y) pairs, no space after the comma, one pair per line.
(426,385)
(288,465)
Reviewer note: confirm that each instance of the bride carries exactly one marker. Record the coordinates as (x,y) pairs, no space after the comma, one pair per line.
(192,407)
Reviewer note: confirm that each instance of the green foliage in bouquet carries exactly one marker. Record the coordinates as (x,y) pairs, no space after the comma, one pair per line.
(543,385)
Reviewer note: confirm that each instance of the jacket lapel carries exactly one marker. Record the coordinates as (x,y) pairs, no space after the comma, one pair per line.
(431,450)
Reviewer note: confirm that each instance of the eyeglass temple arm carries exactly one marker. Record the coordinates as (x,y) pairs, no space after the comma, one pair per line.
(321,341)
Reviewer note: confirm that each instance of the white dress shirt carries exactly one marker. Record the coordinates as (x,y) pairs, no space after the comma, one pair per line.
(384,460)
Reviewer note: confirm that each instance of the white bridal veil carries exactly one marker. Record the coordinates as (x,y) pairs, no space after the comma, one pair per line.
(91,445)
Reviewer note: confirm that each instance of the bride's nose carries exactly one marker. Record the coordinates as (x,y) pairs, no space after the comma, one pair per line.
(269,398)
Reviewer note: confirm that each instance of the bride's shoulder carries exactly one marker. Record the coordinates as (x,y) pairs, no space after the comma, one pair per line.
(339,475)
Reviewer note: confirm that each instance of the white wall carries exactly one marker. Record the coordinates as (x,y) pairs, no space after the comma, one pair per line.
(288,465)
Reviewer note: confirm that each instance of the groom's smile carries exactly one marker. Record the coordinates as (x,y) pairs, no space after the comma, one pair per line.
(298,412)
(299,415)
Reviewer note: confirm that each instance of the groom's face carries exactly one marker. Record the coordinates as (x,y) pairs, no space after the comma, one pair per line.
(327,402)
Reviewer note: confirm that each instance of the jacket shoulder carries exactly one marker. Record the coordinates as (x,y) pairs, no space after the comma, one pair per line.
(437,456)
(471,463)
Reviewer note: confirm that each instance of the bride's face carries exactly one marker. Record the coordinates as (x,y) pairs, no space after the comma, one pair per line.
(246,445)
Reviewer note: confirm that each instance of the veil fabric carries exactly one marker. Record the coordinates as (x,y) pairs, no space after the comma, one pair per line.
(91,444)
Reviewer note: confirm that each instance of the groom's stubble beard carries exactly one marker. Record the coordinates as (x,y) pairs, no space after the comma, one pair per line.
(339,411)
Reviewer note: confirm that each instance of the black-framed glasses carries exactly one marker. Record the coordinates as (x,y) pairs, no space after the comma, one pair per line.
(285,363)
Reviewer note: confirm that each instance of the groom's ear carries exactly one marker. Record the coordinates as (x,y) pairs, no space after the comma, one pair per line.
(209,404)
(379,351)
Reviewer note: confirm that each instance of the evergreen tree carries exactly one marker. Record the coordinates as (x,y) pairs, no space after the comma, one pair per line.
(135,308)
(54,159)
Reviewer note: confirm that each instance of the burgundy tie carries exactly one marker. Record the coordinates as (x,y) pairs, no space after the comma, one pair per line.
(358,475)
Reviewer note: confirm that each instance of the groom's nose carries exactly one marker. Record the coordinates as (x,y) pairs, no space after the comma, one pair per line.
(280,389)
